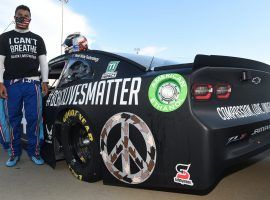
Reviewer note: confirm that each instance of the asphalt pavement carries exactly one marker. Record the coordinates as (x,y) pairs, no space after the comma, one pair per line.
(26,181)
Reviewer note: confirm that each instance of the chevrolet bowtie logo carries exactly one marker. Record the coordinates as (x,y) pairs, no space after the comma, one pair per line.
(256,80)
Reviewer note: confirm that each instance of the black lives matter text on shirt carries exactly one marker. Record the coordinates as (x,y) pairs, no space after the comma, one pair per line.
(21,51)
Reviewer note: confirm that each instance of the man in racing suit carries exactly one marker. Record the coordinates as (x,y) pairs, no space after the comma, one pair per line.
(21,54)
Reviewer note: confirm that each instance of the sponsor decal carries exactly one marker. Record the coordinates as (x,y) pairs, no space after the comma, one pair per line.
(49,134)
(236,138)
(243,111)
(126,150)
(108,92)
(76,113)
(261,129)
(183,176)
(250,133)
(167,92)
(87,57)
(256,80)
(111,70)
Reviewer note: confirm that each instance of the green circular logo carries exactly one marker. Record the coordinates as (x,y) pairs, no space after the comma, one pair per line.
(167,92)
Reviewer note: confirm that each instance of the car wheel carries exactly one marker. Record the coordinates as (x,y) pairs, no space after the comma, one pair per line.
(80,147)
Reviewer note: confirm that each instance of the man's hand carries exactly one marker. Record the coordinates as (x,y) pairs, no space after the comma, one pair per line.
(3,91)
(45,88)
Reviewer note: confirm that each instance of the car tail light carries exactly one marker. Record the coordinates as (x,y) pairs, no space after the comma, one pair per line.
(202,91)
(223,91)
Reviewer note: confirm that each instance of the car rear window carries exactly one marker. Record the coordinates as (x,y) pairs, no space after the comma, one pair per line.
(149,62)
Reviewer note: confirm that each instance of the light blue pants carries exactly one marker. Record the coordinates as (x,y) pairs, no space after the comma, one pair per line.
(4,124)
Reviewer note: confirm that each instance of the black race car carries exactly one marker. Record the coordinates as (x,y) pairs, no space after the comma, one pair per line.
(145,122)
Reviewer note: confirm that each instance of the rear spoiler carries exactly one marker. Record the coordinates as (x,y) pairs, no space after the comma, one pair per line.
(201,61)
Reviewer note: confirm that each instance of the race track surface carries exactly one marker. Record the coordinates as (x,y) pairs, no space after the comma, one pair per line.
(29,182)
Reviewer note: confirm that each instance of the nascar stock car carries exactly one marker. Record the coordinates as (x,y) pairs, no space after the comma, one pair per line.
(145,122)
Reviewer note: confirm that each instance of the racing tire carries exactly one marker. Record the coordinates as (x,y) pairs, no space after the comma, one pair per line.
(80,147)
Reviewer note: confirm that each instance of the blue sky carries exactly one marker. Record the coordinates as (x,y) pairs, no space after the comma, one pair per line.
(181,28)
(172,29)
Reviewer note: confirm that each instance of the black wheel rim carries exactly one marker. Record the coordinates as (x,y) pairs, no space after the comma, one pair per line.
(80,144)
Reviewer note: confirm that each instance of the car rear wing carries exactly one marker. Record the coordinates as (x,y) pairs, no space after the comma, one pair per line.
(201,61)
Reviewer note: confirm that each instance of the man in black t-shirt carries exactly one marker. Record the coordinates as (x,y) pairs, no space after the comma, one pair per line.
(21,54)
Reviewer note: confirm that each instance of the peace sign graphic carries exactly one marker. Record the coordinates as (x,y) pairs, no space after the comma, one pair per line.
(125,149)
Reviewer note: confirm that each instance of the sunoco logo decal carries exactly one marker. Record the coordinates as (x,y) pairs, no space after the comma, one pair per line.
(183,176)
(167,92)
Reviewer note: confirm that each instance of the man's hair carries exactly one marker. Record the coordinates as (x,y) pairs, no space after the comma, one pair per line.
(22,7)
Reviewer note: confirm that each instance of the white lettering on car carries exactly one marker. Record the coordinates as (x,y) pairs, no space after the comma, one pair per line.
(124,92)
(243,111)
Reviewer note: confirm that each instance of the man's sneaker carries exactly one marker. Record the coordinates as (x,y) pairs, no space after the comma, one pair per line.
(12,161)
(37,160)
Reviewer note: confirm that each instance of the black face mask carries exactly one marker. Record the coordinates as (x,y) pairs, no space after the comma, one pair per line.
(22,22)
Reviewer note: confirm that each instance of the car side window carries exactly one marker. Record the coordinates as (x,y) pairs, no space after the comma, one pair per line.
(76,69)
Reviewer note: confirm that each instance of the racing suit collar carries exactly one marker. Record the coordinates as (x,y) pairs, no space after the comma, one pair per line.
(21,30)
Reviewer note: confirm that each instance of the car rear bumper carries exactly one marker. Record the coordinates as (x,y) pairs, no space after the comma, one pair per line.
(224,148)
(203,153)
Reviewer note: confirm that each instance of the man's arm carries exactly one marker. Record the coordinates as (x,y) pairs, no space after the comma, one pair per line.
(44,73)
(3,90)
(2,68)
